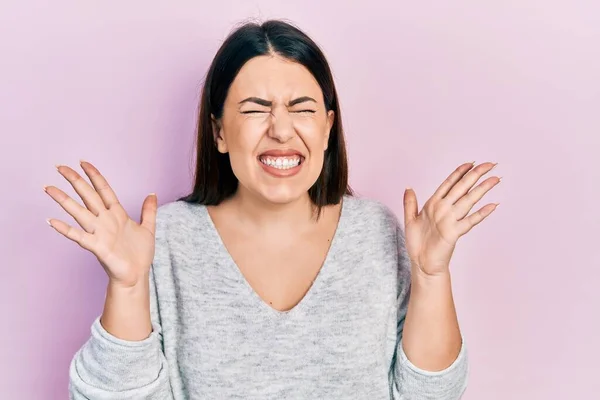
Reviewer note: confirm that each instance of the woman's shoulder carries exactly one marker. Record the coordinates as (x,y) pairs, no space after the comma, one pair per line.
(369,211)
(370,222)
(371,230)
(176,209)
(180,216)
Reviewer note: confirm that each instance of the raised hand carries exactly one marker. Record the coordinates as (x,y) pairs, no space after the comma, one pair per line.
(431,234)
(124,248)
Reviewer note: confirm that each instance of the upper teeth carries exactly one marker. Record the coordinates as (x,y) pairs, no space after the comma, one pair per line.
(281,162)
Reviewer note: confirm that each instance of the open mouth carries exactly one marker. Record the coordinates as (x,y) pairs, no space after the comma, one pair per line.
(282,163)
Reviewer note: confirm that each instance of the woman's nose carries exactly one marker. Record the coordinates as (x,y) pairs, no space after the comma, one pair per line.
(282,128)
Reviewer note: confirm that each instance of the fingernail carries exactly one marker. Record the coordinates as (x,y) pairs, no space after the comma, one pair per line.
(408,188)
(82,161)
(497,204)
(45,188)
(499,179)
(473,163)
(57,166)
(152,194)
(48,222)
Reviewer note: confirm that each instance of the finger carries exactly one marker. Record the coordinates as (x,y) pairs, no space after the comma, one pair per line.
(466,203)
(82,215)
(411,206)
(451,180)
(466,182)
(467,223)
(148,218)
(90,197)
(80,237)
(104,190)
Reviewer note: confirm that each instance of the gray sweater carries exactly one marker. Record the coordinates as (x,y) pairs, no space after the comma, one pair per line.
(214,338)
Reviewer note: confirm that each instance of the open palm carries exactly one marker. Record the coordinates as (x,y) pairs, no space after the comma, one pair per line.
(124,248)
(432,233)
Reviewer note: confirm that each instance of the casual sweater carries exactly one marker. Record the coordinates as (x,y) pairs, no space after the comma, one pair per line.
(214,338)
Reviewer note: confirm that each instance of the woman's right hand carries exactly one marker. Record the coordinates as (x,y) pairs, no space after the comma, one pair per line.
(124,248)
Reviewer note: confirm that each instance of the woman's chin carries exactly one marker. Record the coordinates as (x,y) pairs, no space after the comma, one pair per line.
(283,195)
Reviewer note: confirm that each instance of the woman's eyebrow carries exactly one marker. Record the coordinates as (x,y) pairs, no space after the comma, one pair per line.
(257,100)
(267,103)
(301,100)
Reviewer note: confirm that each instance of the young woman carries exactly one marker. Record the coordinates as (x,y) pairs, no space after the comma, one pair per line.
(271,280)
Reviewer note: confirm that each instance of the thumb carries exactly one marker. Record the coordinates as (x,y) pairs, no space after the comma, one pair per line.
(149,206)
(411,207)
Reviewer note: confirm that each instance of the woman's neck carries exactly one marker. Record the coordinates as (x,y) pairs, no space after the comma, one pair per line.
(266,216)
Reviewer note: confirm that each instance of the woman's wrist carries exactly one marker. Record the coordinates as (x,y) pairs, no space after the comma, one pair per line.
(126,312)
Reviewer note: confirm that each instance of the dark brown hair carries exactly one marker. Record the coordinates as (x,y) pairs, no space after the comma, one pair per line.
(214,178)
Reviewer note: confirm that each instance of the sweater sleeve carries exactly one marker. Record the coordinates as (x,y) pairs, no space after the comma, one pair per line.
(107,367)
(408,381)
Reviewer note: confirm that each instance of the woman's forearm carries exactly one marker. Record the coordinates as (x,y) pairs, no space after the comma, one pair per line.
(431,335)
(126,312)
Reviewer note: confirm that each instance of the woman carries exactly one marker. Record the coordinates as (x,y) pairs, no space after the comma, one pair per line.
(271,280)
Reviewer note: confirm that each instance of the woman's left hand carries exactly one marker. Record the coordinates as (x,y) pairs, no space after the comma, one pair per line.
(431,234)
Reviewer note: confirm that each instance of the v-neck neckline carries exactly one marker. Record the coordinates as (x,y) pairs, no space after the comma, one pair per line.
(321,276)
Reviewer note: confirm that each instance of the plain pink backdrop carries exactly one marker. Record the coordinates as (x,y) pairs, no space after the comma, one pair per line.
(424,86)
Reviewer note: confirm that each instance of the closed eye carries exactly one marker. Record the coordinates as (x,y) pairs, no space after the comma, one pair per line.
(258,111)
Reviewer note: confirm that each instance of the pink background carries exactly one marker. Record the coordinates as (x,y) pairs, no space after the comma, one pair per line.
(424,86)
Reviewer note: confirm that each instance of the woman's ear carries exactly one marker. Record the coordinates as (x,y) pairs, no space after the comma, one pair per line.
(330,119)
(217,129)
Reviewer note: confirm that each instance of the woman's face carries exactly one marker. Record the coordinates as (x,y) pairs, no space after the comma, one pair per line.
(275,128)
